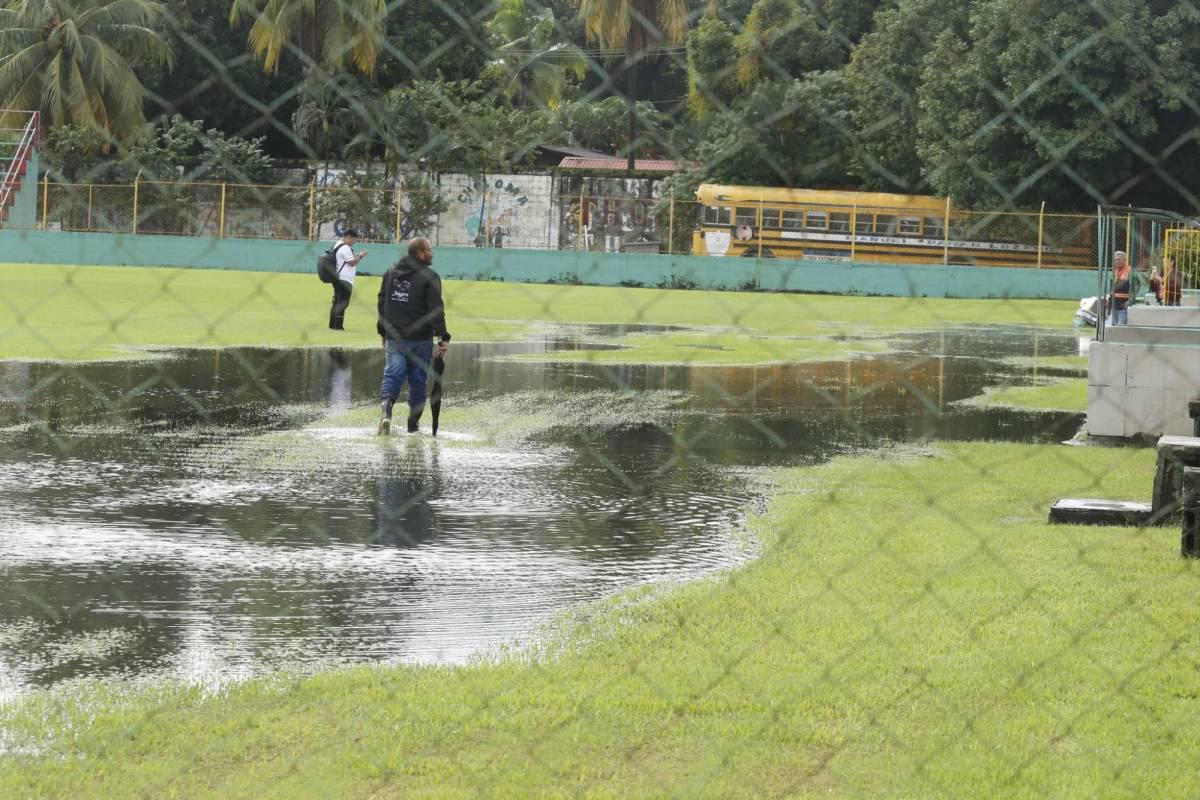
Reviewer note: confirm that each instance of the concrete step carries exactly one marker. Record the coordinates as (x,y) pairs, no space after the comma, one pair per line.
(1152,334)
(1164,316)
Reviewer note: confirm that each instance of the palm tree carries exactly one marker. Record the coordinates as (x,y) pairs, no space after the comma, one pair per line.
(71,60)
(330,112)
(327,31)
(640,27)
(536,65)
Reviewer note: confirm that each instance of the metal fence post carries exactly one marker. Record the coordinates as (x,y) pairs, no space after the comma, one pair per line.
(1041,231)
(46,203)
(759,220)
(399,206)
(135,201)
(946,236)
(91,188)
(221,225)
(312,206)
(671,225)
(853,229)
(582,241)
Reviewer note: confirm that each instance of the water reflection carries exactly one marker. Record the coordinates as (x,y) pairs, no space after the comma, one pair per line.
(130,548)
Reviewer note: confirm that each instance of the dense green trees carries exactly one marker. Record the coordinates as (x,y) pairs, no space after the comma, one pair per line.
(329,33)
(640,28)
(73,61)
(999,103)
(533,64)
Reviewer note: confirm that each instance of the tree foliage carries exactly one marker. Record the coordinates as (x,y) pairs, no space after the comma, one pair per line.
(1042,100)
(533,64)
(330,33)
(74,61)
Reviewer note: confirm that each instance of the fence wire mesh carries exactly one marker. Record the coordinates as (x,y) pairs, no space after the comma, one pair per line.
(769,326)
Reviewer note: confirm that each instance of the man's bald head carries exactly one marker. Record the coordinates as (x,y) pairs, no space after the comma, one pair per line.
(421,249)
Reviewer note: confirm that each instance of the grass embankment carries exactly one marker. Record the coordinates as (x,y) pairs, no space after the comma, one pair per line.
(913,628)
(1060,395)
(93,313)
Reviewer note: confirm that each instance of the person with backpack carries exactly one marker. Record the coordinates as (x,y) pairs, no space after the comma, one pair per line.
(345,266)
(411,314)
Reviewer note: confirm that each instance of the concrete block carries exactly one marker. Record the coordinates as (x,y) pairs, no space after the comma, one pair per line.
(1173,454)
(1106,364)
(1145,367)
(1088,511)
(1182,368)
(1106,411)
(1129,334)
(1144,411)
(1177,421)
(1164,316)
(1189,545)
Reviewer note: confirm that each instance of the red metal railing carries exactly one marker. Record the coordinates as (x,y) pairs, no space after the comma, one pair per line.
(20,158)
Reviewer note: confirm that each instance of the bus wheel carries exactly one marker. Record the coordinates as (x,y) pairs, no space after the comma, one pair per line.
(753,252)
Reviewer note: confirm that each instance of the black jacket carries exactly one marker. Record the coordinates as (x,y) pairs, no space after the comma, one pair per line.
(410,303)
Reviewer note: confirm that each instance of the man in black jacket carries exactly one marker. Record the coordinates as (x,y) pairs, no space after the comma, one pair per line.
(411,313)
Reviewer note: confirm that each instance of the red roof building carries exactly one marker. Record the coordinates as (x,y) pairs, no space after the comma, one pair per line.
(613,164)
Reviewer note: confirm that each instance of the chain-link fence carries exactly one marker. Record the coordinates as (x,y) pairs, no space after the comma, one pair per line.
(477,211)
(715,398)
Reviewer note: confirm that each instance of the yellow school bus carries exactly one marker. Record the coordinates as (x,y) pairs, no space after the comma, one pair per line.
(833,225)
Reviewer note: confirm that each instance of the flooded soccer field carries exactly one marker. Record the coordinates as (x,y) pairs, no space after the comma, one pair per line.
(214,514)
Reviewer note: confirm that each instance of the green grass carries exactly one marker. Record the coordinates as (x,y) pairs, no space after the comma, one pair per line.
(914,628)
(1063,364)
(1060,395)
(89,313)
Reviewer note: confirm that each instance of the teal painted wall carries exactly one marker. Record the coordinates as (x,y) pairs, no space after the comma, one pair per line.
(538,266)
(25,204)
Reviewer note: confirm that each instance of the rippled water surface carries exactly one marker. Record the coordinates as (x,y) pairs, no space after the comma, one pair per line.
(203,517)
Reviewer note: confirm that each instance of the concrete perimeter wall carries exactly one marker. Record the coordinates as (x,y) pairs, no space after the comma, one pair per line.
(553,266)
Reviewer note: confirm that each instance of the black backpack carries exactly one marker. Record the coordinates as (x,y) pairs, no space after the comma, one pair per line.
(327,263)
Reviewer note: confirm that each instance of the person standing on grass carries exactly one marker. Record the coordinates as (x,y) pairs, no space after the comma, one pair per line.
(411,314)
(343,284)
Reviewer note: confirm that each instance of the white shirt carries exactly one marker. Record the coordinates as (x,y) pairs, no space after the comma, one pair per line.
(346,268)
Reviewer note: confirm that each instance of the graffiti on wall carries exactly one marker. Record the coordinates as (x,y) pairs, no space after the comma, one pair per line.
(496,211)
(608,214)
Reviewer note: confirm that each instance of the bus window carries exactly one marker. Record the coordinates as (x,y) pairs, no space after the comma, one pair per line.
(910,226)
(839,222)
(815,220)
(716,215)
(793,220)
(746,216)
(885,225)
(934,228)
(770,218)
(863,223)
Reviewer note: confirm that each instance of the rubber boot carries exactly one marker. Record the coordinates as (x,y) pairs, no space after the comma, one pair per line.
(385,422)
(414,422)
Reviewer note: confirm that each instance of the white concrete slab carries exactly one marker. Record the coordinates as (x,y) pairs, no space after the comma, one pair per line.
(1144,411)
(1145,367)
(1175,412)
(1106,364)
(1106,411)
(1165,316)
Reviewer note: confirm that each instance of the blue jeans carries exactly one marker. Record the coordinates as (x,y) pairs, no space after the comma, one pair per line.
(1120,316)
(407,360)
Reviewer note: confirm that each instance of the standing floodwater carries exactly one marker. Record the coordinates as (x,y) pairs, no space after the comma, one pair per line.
(175,518)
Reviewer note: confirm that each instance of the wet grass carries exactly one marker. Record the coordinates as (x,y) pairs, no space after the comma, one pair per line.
(1056,364)
(91,313)
(1058,395)
(913,628)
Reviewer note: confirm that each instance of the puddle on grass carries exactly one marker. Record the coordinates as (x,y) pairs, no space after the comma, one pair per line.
(131,549)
